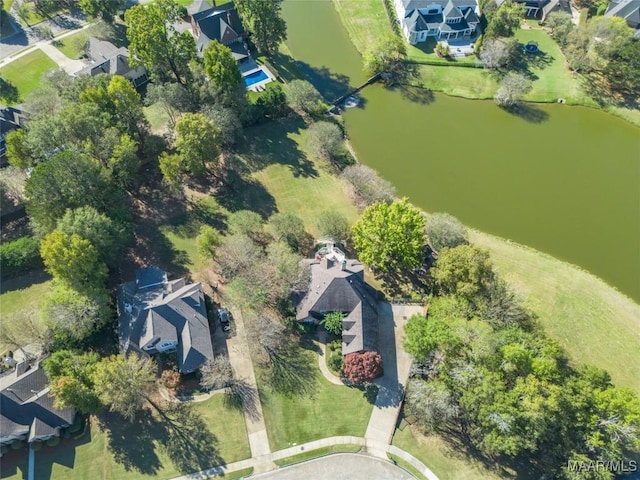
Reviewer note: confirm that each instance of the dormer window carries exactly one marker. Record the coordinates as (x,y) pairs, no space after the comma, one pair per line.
(432,11)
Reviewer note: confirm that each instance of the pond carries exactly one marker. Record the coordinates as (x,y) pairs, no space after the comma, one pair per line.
(564,180)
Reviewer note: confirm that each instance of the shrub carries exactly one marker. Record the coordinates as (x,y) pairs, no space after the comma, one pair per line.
(368,187)
(445,231)
(336,363)
(19,256)
(324,140)
(361,367)
(171,379)
(35,446)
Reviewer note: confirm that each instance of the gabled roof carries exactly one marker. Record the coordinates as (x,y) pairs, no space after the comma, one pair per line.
(26,407)
(451,11)
(410,5)
(221,24)
(470,16)
(170,311)
(341,288)
(105,57)
(627,9)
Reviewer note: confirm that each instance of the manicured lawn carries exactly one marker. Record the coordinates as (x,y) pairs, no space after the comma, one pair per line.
(135,452)
(447,462)
(158,118)
(364,20)
(287,179)
(26,72)
(424,53)
(474,83)
(73,45)
(327,411)
(593,322)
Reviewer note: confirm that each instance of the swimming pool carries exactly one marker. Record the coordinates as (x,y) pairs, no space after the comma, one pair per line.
(255,77)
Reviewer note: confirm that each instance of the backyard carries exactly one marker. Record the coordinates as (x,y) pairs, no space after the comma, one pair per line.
(107,454)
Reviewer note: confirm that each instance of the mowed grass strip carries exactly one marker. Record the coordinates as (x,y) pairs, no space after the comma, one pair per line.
(139,456)
(26,72)
(592,321)
(320,452)
(328,411)
(364,20)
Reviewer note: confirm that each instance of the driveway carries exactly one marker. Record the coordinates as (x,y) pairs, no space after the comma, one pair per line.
(341,466)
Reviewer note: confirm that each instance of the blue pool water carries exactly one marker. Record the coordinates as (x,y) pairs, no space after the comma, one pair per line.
(255,77)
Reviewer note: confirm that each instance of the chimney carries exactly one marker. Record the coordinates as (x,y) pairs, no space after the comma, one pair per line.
(343,265)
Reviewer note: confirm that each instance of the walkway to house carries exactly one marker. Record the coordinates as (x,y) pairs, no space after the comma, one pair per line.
(370,447)
(397,363)
(68,65)
(322,362)
(240,359)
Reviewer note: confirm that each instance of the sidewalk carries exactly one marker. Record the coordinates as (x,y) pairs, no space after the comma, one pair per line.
(373,448)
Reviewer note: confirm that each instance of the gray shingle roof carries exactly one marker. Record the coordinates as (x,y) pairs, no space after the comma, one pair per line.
(333,289)
(105,57)
(627,9)
(170,312)
(223,25)
(410,5)
(26,407)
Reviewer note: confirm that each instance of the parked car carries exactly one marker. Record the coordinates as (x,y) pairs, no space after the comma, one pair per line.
(225,319)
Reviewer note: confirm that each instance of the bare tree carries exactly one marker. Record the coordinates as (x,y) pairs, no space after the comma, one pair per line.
(367,186)
(498,52)
(216,373)
(237,255)
(265,336)
(512,89)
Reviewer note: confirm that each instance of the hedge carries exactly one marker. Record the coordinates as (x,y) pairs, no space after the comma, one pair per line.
(19,256)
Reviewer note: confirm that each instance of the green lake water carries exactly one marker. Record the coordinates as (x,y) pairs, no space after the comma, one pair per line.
(565,181)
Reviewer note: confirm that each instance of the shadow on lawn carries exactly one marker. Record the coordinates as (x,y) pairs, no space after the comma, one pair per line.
(177,429)
(292,372)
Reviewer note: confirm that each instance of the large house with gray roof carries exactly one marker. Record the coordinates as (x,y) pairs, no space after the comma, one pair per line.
(157,315)
(627,9)
(27,410)
(105,57)
(439,19)
(337,285)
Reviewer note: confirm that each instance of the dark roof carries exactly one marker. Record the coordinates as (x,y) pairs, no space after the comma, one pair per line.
(454,27)
(26,407)
(627,9)
(221,24)
(105,57)
(410,5)
(336,289)
(470,16)
(169,311)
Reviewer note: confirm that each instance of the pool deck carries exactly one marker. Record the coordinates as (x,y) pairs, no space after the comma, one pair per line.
(256,87)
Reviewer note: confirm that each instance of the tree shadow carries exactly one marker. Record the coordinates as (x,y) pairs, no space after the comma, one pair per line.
(417,94)
(198,212)
(331,85)
(241,192)
(529,112)
(24,281)
(143,430)
(292,372)
(369,392)
(8,91)
(241,395)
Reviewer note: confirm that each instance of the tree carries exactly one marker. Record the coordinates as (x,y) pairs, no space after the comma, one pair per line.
(155,43)
(196,142)
(465,271)
(70,376)
(265,336)
(236,255)
(561,25)
(216,373)
(505,20)
(228,124)
(208,240)
(332,224)
(325,140)
(304,98)
(124,162)
(173,169)
(361,367)
(24,12)
(25,328)
(623,68)
(18,153)
(73,260)
(273,102)
(126,107)
(445,231)
(104,9)
(368,187)
(498,52)
(246,222)
(222,70)
(262,18)
(390,236)
(69,180)
(332,322)
(289,273)
(73,316)
(423,336)
(174,98)
(431,403)
(512,89)
(386,55)
(101,231)
(289,228)
(123,383)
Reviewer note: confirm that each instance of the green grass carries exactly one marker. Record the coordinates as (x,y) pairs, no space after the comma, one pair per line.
(320,452)
(474,83)
(592,321)
(287,178)
(238,474)
(406,466)
(158,118)
(424,53)
(25,73)
(92,457)
(447,462)
(73,45)
(364,20)
(328,411)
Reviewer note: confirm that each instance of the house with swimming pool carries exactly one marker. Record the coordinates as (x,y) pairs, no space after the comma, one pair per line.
(222,24)
(443,20)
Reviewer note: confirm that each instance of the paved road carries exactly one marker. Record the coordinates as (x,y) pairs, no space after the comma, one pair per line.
(344,466)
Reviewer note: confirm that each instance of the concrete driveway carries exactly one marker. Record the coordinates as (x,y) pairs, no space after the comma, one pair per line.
(341,466)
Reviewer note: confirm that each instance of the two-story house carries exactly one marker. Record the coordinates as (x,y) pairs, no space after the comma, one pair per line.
(439,19)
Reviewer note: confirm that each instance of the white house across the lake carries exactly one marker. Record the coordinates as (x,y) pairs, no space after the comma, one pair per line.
(439,19)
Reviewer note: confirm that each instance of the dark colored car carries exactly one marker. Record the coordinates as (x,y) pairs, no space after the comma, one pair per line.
(225,320)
